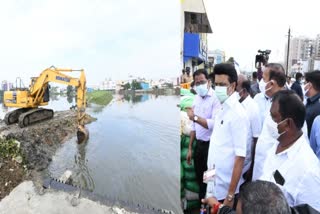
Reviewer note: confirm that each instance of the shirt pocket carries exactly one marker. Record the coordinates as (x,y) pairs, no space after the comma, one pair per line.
(223,135)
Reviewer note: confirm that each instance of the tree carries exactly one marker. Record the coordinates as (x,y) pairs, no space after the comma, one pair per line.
(135,85)
(69,90)
(126,86)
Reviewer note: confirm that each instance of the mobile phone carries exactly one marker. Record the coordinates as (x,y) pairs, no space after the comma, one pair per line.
(278,178)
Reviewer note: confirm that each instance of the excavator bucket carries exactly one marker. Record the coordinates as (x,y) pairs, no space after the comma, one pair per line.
(82,134)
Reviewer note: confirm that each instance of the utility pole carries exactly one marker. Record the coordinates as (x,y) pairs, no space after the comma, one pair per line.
(288,50)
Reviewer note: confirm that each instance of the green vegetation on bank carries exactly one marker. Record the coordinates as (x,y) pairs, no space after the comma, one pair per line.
(9,148)
(99,97)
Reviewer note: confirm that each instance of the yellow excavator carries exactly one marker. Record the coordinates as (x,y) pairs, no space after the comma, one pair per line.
(28,100)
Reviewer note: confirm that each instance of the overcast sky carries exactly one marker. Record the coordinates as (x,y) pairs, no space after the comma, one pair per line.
(107,38)
(242,27)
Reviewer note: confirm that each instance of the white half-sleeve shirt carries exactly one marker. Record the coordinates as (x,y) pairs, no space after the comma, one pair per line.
(300,169)
(253,114)
(264,105)
(228,140)
(268,137)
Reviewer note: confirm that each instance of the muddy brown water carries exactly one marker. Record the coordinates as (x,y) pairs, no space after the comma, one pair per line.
(132,154)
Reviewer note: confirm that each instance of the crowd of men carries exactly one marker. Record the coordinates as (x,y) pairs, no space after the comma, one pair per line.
(247,131)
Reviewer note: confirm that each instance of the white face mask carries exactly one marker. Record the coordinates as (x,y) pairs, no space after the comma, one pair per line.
(262,86)
(222,93)
(306,90)
(267,89)
(283,131)
(202,90)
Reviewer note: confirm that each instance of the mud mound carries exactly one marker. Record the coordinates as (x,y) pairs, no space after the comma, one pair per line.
(40,141)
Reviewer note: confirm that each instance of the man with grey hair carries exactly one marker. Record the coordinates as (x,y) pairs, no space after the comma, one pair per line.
(260,197)
(255,197)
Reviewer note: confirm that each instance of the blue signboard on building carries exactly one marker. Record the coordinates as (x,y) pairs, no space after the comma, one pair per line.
(192,48)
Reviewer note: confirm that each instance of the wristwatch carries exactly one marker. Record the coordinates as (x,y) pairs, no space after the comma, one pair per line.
(230,197)
(195,118)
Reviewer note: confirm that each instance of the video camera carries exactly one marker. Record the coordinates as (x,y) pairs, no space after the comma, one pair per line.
(262,57)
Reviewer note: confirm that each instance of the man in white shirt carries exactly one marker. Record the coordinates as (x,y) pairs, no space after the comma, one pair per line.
(228,143)
(262,99)
(291,163)
(276,79)
(252,109)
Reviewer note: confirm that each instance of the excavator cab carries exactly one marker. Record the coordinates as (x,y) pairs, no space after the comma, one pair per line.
(46,96)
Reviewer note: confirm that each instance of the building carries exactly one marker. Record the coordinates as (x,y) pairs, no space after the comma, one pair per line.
(90,90)
(301,66)
(316,65)
(107,84)
(145,85)
(215,57)
(194,29)
(317,48)
(6,86)
(301,52)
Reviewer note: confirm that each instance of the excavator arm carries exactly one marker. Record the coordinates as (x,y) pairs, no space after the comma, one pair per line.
(58,75)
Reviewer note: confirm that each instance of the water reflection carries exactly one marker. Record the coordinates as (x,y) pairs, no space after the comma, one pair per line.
(132,153)
(82,176)
(135,98)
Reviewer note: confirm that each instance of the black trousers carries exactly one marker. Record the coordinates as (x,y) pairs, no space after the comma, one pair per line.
(200,165)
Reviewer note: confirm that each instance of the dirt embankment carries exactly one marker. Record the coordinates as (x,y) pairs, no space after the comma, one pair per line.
(38,144)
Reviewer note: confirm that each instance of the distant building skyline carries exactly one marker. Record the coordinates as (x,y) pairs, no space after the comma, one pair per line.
(303,53)
(6,86)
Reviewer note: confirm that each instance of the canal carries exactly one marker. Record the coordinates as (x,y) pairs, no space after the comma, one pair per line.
(133,151)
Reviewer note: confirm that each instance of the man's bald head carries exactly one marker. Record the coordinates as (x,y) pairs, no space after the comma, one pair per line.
(244,87)
(241,79)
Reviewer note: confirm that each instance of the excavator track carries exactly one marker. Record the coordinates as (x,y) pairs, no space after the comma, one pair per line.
(35,115)
(13,116)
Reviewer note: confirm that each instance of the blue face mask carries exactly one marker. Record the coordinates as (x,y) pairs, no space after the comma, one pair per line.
(202,90)
(221,92)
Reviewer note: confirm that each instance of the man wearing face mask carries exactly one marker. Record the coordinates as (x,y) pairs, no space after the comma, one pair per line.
(252,110)
(203,112)
(269,134)
(228,143)
(312,91)
(290,162)
(262,99)
(275,80)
